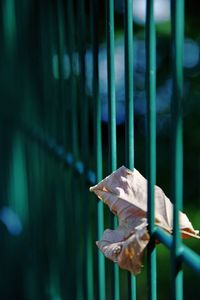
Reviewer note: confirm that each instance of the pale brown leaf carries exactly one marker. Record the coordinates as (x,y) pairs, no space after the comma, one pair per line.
(125,192)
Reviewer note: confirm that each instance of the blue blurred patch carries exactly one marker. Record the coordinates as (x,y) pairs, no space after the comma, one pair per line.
(11,220)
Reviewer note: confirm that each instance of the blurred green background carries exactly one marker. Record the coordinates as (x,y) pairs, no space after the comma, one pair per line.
(41,198)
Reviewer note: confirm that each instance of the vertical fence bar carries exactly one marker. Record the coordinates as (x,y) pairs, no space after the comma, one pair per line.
(62,213)
(61,46)
(72,90)
(177,13)
(129,131)
(129,125)
(56,98)
(76,280)
(98,141)
(83,97)
(49,100)
(88,261)
(72,133)
(57,205)
(51,82)
(112,117)
(111,85)
(42,47)
(151,140)
(44,65)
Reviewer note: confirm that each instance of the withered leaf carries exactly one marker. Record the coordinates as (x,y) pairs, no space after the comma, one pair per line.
(125,192)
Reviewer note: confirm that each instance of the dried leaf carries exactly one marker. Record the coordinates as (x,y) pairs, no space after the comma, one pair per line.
(125,192)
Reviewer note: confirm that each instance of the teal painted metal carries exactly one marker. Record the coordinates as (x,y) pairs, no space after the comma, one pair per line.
(111,86)
(190,258)
(129,131)
(61,46)
(112,119)
(73,136)
(98,145)
(186,255)
(128,46)
(151,140)
(85,153)
(73,143)
(177,13)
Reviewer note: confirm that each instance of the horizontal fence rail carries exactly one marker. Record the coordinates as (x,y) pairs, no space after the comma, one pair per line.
(71,138)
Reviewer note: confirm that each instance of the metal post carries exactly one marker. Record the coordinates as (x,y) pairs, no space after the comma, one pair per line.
(98,143)
(129,128)
(151,140)
(177,13)
(112,117)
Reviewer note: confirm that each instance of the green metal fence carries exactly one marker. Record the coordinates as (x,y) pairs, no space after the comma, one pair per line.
(66,152)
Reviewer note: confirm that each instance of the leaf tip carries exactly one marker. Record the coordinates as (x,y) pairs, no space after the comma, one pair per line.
(91,188)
